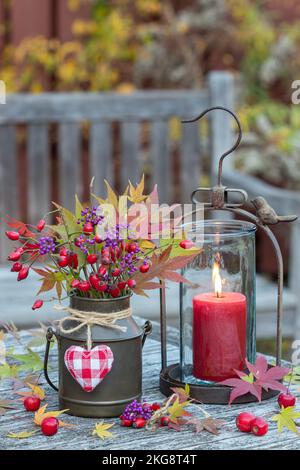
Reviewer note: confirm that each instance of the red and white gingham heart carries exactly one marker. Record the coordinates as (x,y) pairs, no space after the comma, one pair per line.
(89,368)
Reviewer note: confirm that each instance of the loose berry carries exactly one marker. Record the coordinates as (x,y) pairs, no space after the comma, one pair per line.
(88,227)
(164,421)
(49,426)
(84,286)
(37,304)
(259,427)
(144,268)
(16,267)
(127,423)
(32,403)
(92,259)
(139,423)
(13,235)
(63,261)
(186,244)
(286,400)
(23,273)
(40,226)
(244,421)
(131,283)
(75,283)
(155,406)
(116,272)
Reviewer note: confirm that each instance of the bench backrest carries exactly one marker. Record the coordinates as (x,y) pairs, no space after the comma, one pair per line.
(99,113)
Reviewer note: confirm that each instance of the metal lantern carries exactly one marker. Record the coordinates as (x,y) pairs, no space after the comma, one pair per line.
(218,308)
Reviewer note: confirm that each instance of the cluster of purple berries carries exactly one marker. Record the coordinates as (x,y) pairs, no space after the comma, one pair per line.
(137,410)
(84,243)
(46,245)
(89,216)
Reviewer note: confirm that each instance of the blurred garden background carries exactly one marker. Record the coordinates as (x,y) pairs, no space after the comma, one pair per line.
(124,46)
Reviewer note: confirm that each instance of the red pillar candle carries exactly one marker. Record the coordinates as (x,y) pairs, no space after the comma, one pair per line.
(219,335)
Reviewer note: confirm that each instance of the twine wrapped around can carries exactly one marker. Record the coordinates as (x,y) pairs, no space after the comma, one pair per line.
(89,319)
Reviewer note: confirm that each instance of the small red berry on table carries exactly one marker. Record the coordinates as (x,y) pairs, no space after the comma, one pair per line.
(23,273)
(244,421)
(164,421)
(286,400)
(139,423)
(13,235)
(127,423)
(155,406)
(259,427)
(49,426)
(37,304)
(32,403)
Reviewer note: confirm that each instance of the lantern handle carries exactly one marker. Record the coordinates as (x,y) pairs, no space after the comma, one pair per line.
(235,146)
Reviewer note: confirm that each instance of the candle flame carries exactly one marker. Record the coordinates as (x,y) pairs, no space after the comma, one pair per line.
(216,278)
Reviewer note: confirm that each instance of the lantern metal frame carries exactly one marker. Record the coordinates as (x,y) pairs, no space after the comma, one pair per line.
(170,376)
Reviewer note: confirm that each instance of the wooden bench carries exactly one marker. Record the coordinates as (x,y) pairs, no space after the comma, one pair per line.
(125,153)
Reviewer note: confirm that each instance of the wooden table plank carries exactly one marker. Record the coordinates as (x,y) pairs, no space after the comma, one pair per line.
(80,436)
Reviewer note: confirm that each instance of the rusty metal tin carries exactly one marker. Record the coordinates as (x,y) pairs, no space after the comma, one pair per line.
(123,383)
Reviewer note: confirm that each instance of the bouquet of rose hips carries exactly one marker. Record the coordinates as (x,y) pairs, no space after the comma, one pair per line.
(84,255)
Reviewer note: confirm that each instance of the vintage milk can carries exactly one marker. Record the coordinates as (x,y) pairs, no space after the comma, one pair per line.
(122,350)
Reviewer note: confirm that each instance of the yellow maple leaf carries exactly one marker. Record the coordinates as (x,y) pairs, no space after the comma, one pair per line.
(101,430)
(176,410)
(37,391)
(21,435)
(41,414)
(136,194)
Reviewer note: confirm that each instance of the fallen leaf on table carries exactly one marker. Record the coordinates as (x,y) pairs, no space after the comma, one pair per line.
(5,406)
(30,361)
(286,419)
(21,435)
(19,382)
(101,430)
(209,424)
(8,372)
(176,410)
(35,390)
(41,414)
(260,378)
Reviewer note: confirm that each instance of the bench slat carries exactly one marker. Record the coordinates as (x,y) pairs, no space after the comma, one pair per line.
(131,164)
(38,171)
(190,160)
(101,164)
(161,160)
(8,181)
(69,163)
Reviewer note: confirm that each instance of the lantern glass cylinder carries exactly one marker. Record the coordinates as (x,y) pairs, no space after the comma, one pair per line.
(217,310)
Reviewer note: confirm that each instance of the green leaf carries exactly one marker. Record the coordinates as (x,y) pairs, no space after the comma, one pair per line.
(7,371)
(78,207)
(29,361)
(248,378)
(286,419)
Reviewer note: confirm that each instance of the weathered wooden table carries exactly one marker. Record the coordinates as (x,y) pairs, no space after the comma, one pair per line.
(80,437)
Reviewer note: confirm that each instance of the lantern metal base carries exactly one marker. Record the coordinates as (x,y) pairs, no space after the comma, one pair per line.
(211,394)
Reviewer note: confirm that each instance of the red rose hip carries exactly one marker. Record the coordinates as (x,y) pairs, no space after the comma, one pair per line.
(13,235)
(92,259)
(164,421)
(23,273)
(32,403)
(144,268)
(37,304)
(40,225)
(286,400)
(49,426)
(259,427)
(16,267)
(139,423)
(244,421)
(186,244)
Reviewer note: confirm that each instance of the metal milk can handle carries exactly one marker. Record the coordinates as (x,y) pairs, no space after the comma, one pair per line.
(49,336)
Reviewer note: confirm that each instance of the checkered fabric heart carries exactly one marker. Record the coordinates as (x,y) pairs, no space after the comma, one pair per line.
(89,368)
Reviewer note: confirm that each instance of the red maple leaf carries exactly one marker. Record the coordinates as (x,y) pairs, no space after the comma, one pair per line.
(20,227)
(260,377)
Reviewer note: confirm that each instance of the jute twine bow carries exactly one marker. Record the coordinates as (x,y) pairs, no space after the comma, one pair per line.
(90,319)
